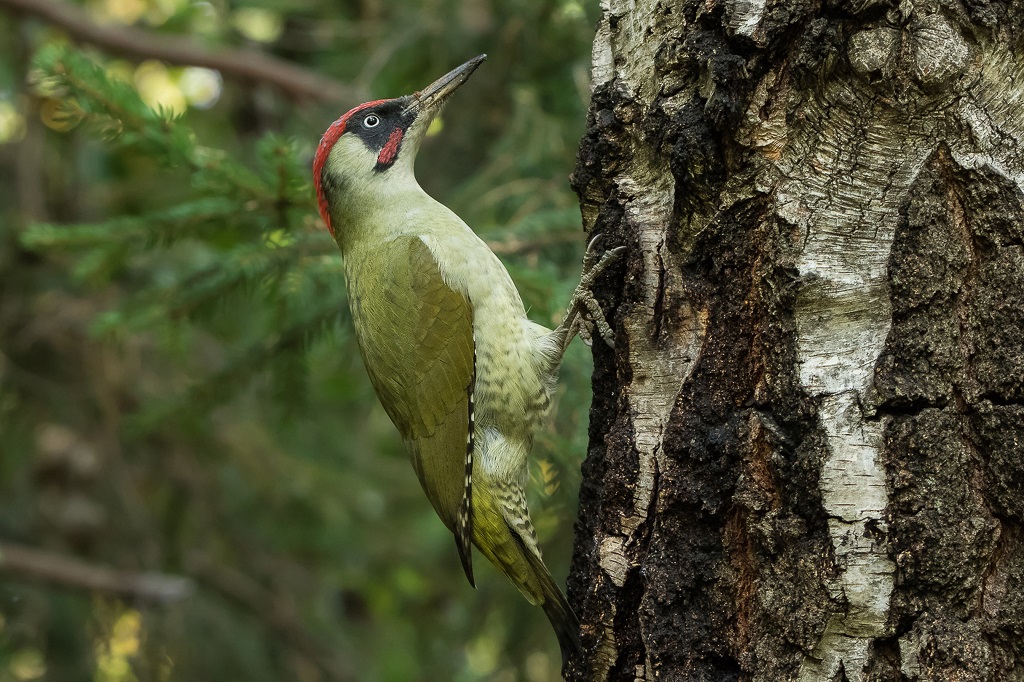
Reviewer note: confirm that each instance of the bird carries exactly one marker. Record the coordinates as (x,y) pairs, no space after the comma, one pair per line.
(465,376)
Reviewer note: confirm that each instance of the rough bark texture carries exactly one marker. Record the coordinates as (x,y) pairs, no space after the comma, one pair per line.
(807,449)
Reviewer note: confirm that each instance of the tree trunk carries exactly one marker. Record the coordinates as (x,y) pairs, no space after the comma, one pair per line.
(807,448)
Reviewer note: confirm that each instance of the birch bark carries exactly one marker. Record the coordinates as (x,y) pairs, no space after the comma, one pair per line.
(807,450)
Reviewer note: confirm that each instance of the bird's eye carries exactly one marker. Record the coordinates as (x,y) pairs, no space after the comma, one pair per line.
(371,121)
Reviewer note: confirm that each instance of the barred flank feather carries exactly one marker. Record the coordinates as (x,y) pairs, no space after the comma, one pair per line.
(464,532)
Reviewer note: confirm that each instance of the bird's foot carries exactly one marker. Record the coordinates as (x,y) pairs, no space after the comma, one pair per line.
(585,315)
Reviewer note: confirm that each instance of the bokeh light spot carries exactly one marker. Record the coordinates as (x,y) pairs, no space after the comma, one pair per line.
(201,87)
(124,11)
(157,88)
(27,664)
(12,123)
(113,654)
(257,24)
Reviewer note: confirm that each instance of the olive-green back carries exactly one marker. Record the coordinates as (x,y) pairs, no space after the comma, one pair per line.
(416,337)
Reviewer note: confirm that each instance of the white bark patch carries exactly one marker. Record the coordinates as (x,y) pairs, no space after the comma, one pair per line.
(992,113)
(854,494)
(627,52)
(846,170)
(940,52)
(607,650)
(643,673)
(659,370)
(872,51)
(612,556)
(764,126)
(602,59)
(625,55)
(744,16)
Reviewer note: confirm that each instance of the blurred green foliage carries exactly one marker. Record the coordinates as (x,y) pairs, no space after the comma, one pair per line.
(179,388)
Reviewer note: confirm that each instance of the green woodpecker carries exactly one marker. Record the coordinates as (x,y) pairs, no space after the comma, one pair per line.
(459,368)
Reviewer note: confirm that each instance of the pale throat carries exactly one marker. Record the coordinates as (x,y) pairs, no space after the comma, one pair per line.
(362,200)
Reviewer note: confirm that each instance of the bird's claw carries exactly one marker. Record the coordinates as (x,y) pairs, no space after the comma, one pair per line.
(585,314)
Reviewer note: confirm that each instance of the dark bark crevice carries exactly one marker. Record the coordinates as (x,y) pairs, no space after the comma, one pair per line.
(951,259)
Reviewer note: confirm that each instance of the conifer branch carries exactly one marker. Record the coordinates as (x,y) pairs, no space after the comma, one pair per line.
(288,346)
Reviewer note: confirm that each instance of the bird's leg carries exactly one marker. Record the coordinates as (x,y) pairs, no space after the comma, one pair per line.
(584,315)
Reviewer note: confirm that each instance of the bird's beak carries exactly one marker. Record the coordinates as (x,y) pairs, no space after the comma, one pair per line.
(431,98)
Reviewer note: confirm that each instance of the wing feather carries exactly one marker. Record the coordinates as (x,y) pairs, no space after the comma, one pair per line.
(419,352)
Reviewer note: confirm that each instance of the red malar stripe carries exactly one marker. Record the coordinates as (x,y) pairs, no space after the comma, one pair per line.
(390,151)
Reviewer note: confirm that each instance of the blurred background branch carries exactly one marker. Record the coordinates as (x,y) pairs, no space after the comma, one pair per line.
(282,615)
(137,43)
(64,571)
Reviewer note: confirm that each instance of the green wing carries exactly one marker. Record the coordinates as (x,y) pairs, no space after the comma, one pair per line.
(416,336)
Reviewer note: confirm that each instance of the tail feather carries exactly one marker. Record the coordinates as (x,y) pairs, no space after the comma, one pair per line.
(507,540)
(567,628)
(556,607)
(466,557)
